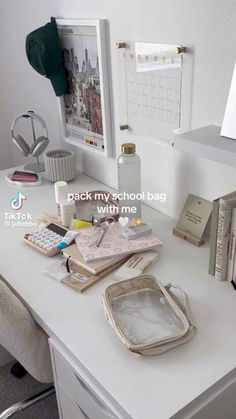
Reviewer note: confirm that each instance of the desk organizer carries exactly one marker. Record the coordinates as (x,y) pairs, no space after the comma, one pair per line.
(60,165)
(148,317)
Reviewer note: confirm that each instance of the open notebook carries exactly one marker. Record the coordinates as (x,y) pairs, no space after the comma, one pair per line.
(113,244)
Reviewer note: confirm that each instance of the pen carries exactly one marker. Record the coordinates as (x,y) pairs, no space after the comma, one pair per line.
(99,241)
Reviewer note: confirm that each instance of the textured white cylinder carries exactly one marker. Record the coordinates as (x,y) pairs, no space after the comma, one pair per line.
(60,165)
(67,212)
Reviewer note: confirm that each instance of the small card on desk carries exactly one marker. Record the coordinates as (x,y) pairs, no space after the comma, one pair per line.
(193,219)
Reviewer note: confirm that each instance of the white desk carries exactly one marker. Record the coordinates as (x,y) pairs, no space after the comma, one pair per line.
(145,387)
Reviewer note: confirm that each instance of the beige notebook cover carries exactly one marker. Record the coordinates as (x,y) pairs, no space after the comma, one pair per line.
(94,267)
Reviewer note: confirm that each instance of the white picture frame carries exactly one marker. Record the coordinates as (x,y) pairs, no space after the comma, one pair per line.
(85,112)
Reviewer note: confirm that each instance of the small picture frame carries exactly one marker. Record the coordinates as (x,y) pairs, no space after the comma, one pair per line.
(85,108)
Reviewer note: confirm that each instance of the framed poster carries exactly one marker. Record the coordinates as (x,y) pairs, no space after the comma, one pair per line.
(85,108)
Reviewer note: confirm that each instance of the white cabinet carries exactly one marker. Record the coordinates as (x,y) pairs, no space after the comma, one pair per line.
(78,395)
(68,407)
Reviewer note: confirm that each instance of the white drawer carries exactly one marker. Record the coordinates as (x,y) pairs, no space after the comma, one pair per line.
(80,391)
(69,409)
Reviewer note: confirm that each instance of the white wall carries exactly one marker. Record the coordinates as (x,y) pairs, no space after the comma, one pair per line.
(207,26)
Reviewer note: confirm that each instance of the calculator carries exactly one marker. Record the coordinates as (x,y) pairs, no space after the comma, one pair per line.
(46,239)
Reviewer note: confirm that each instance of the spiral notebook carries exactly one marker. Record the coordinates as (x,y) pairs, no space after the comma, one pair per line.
(113,243)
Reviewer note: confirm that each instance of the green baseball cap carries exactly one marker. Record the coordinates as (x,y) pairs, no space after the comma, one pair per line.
(45,54)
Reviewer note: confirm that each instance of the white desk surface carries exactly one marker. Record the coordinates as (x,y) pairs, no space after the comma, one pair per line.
(146,387)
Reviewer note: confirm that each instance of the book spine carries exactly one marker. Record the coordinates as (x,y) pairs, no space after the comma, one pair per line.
(214,223)
(233,277)
(231,255)
(222,242)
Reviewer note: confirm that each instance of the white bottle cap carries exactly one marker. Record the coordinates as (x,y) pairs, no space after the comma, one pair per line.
(61,191)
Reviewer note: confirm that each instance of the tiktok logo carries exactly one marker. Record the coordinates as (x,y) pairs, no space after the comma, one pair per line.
(16,203)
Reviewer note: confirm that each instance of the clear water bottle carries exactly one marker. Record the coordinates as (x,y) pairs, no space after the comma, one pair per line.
(129,182)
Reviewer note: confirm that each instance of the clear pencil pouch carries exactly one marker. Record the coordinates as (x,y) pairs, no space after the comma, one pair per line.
(148,317)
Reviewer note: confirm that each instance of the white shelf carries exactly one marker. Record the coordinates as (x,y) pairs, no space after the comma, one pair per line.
(206,142)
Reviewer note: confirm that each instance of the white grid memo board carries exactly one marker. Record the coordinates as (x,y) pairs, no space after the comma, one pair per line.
(150,77)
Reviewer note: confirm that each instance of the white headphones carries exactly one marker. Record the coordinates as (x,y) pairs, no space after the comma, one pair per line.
(40,143)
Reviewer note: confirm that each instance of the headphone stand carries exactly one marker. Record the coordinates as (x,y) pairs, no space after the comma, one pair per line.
(35,167)
(39,144)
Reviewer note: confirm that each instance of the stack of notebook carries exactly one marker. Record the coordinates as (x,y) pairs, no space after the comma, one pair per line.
(94,262)
(89,273)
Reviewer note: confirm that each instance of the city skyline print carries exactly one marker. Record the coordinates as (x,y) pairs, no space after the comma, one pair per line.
(83,96)
(85,107)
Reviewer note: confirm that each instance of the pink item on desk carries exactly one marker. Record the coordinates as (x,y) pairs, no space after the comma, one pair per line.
(113,243)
